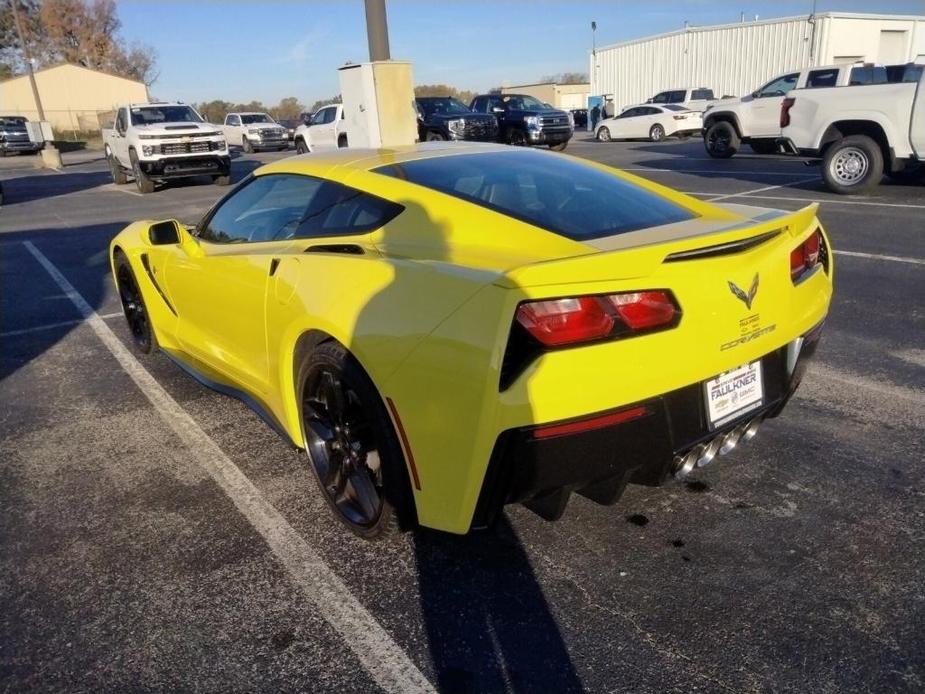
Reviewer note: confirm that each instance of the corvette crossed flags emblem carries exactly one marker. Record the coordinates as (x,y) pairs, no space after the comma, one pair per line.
(748,298)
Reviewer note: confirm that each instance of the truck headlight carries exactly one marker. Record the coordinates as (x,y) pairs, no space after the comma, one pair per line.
(456,126)
(253,131)
(147,150)
(219,144)
(532,122)
(571,118)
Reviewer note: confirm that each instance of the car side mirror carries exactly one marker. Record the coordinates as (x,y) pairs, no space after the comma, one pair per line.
(755,94)
(164,233)
(496,109)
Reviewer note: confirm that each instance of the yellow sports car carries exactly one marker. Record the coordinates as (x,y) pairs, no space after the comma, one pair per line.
(448,328)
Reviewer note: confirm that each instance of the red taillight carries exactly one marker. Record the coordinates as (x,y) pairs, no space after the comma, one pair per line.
(591,424)
(806,256)
(785,111)
(558,322)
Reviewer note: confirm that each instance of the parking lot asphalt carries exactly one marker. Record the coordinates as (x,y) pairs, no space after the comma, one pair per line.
(158,536)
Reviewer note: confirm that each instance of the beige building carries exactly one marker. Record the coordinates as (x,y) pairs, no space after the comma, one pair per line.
(72,96)
(565,96)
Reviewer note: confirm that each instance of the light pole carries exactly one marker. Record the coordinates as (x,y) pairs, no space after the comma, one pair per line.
(50,155)
(377,30)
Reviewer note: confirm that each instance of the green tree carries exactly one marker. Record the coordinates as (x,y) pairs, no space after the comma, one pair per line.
(289,108)
(214,111)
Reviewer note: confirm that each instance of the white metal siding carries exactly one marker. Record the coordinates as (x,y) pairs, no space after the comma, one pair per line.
(736,59)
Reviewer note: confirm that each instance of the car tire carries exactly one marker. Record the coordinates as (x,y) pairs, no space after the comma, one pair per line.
(341,410)
(247,146)
(603,134)
(133,305)
(721,140)
(222,180)
(434,137)
(301,147)
(852,165)
(342,142)
(144,184)
(559,147)
(656,133)
(516,137)
(115,169)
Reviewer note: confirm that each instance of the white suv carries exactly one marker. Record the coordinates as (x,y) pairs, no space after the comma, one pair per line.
(326,130)
(255,131)
(693,98)
(755,119)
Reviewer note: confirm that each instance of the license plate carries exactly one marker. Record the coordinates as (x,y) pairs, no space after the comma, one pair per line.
(734,393)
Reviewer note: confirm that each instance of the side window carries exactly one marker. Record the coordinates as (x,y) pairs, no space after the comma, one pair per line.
(677,97)
(330,114)
(822,78)
(868,75)
(276,207)
(120,121)
(652,111)
(318,118)
(227,120)
(630,113)
(780,86)
(704,94)
(495,102)
(478,105)
(661,98)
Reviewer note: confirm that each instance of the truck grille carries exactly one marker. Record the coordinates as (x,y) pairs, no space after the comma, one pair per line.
(187,147)
(272,134)
(480,129)
(554,122)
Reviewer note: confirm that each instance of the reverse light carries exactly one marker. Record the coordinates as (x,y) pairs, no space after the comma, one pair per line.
(807,256)
(559,322)
(785,111)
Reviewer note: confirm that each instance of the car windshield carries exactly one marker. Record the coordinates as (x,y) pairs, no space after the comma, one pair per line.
(674,107)
(441,106)
(12,121)
(559,194)
(251,118)
(155,115)
(523,102)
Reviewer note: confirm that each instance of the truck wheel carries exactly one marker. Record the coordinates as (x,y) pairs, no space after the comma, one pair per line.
(342,142)
(559,147)
(517,137)
(434,137)
(222,180)
(603,134)
(763,146)
(301,147)
(144,184)
(656,133)
(246,145)
(721,141)
(852,165)
(115,169)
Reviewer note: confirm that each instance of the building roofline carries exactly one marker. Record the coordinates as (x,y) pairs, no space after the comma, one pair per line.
(543,84)
(772,20)
(64,63)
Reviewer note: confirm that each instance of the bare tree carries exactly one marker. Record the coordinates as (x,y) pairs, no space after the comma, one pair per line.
(566,78)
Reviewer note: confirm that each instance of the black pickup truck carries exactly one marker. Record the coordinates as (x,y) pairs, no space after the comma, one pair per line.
(525,120)
(446,118)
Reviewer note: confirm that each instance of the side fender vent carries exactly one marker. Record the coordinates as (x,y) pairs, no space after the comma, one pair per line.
(343,248)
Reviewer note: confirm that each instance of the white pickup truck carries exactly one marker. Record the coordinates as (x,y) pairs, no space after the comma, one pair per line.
(327,129)
(158,141)
(255,131)
(755,119)
(861,132)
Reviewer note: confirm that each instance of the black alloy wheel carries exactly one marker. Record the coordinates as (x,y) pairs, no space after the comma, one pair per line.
(517,137)
(721,140)
(133,305)
(350,443)
(433,136)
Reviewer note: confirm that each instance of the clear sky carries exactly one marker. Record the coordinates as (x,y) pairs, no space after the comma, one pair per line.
(242,50)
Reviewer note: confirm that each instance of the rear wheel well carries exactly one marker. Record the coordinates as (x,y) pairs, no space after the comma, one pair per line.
(842,129)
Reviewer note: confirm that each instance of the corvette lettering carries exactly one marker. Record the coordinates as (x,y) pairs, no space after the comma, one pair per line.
(747,338)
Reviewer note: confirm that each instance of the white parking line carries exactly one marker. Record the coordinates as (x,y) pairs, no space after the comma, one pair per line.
(761,190)
(874,256)
(825,201)
(388,665)
(51,326)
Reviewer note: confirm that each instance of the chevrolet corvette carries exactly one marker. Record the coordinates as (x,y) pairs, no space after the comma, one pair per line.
(449,328)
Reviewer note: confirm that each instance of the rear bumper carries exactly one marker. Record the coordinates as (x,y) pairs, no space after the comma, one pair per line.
(542,470)
(178,167)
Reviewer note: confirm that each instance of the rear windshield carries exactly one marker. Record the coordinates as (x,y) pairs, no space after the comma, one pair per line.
(555,193)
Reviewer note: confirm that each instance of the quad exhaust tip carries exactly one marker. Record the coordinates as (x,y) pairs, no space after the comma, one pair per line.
(703,454)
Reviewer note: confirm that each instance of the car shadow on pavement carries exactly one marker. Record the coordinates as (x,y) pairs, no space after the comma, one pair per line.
(489,627)
(34,312)
(50,185)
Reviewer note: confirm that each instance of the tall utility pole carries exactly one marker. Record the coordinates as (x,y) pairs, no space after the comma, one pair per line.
(377,30)
(28,55)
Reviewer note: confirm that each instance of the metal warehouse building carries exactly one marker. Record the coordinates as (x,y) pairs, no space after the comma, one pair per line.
(735,59)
